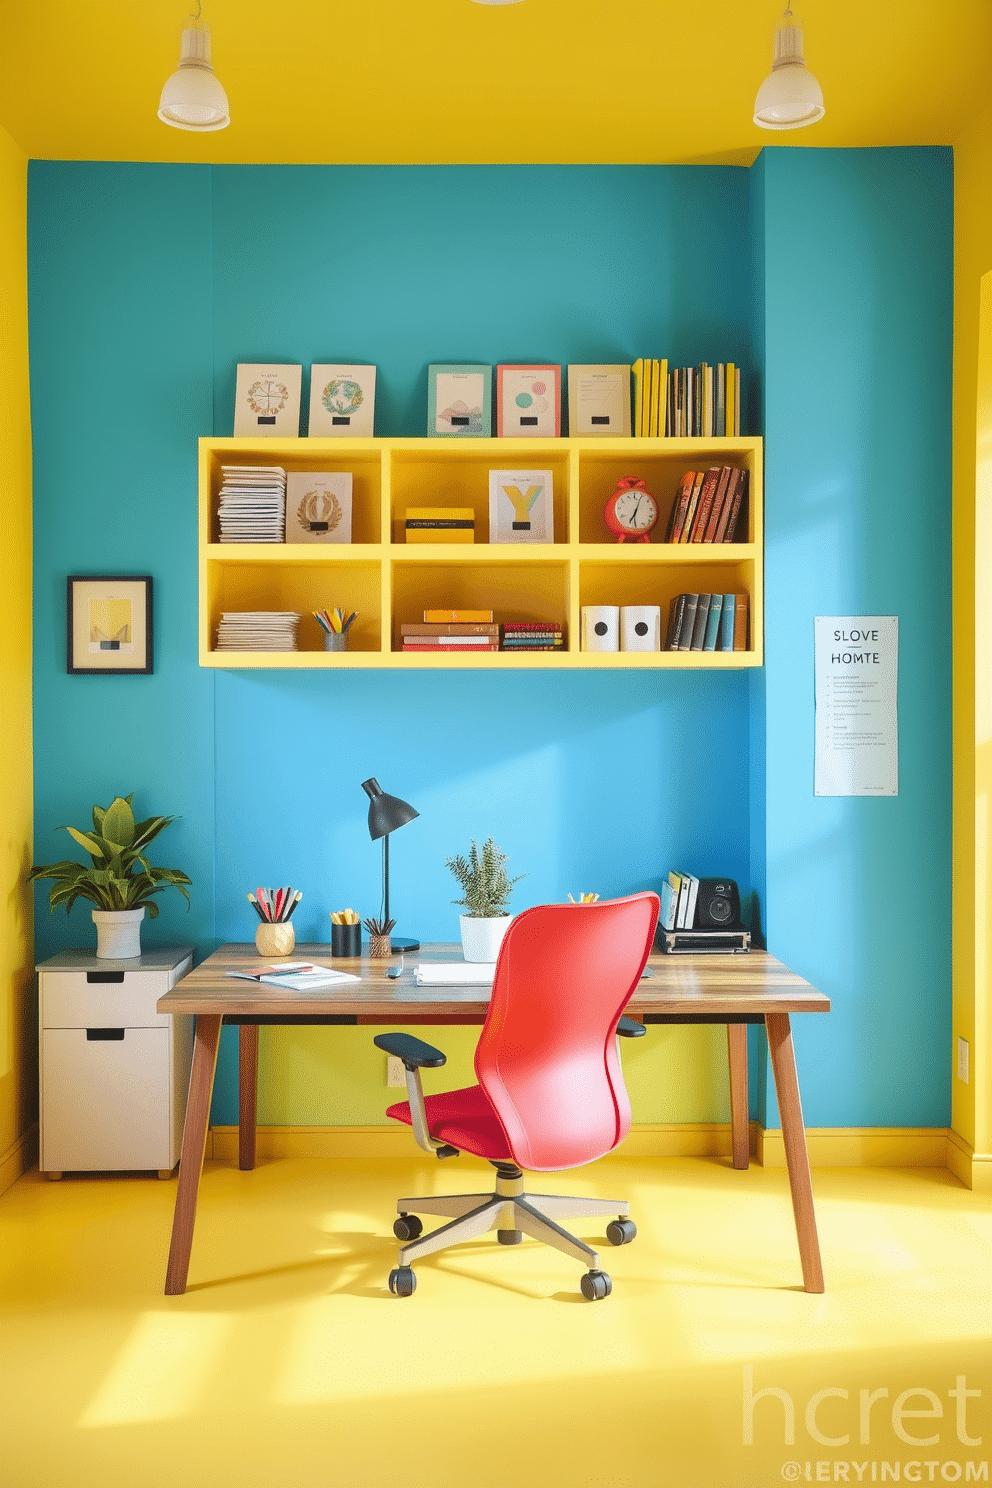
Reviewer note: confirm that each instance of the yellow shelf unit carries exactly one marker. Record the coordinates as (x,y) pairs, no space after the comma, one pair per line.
(391,583)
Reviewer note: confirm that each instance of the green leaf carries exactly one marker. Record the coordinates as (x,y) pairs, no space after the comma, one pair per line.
(93,844)
(98,815)
(118,823)
(146,830)
(151,909)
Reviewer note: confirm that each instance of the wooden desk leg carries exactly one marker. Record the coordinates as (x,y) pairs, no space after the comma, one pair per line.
(796,1155)
(737,1053)
(201,1084)
(247,1094)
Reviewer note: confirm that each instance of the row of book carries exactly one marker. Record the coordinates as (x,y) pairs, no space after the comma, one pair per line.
(686,402)
(679,894)
(708,506)
(476,630)
(707,622)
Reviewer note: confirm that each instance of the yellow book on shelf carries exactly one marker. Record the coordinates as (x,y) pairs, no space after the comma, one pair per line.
(637,368)
(658,370)
(440,524)
(731,399)
(648,395)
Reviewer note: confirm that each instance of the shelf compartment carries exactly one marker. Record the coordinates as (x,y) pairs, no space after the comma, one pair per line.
(362,461)
(524,590)
(450,472)
(661,464)
(657,583)
(303,588)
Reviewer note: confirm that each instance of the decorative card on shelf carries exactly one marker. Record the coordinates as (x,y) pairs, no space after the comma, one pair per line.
(459,401)
(342,400)
(318,506)
(599,400)
(521,506)
(528,402)
(267,400)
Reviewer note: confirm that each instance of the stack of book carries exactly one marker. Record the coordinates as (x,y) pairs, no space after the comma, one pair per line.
(686,402)
(452,630)
(707,622)
(440,524)
(679,893)
(707,505)
(533,635)
(650,398)
(252,504)
(257,630)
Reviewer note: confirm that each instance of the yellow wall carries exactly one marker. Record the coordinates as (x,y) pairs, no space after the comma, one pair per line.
(17,1040)
(972,618)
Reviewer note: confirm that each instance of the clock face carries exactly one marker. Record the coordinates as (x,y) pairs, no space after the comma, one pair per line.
(635,511)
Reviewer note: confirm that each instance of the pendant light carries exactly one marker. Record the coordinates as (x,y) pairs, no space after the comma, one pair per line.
(193,98)
(790,97)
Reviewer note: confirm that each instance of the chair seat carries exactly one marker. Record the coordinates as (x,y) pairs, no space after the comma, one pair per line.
(464,1118)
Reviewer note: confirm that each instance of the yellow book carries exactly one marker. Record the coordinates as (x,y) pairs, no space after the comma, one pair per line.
(646,401)
(658,390)
(731,399)
(637,369)
(440,524)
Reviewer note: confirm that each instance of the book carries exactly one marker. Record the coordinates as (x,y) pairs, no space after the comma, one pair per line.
(688,623)
(436,617)
(417,643)
(690,911)
(719,501)
(740,622)
(680,505)
(713,622)
(659,380)
(318,506)
(532,625)
(736,500)
(727,623)
(450,627)
(705,504)
(699,624)
(342,400)
(440,524)
(675,613)
(698,477)
(449,639)
(296,976)
(669,903)
(729,399)
(599,399)
(720,427)
(637,371)
(726,507)
(683,903)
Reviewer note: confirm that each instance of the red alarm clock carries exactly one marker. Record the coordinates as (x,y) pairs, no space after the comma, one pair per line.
(631,511)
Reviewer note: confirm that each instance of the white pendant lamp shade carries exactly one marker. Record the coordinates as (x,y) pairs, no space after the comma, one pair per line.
(790,97)
(193,98)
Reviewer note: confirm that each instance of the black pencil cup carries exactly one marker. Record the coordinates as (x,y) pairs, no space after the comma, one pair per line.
(346,940)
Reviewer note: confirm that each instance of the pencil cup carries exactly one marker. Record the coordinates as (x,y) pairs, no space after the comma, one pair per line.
(601,627)
(346,940)
(275,940)
(336,640)
(380,946)
(640,627)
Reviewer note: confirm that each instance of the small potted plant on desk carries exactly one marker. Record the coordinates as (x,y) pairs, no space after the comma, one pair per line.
(120,882)
(486,888)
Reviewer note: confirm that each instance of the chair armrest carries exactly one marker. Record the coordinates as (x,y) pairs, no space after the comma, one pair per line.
(414,1053)
(630,1028)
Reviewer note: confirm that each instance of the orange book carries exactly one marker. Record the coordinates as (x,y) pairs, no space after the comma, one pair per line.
(740,622)
(700,476)
(438,617)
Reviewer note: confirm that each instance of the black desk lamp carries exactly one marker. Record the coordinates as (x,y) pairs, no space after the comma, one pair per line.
(386,813)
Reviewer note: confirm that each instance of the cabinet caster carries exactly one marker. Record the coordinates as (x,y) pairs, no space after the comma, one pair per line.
(402,1282)
(408,1227)
(621,1231)
(595,1286)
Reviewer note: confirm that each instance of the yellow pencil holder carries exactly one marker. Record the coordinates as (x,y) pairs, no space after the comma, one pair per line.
(275,940)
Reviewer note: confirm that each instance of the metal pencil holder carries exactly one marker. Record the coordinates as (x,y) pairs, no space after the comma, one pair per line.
(346,940)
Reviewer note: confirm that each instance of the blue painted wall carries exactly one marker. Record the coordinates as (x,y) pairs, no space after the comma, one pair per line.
(148,285)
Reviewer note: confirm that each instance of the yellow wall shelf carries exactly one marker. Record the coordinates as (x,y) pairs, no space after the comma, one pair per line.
(390,583)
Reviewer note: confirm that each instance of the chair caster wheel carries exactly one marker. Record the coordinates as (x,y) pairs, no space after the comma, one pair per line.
(595,1286)
(403,1283)
(509,1237)
(408,1227)
(621,1231)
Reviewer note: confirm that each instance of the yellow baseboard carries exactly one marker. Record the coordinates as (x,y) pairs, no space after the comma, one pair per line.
(858,1147)
(18,1158)
(974,1169)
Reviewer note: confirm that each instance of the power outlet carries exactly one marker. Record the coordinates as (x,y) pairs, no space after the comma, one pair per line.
(395,1073)
(963,1052)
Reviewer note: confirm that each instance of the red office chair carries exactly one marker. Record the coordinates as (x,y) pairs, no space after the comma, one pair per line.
(550,1092)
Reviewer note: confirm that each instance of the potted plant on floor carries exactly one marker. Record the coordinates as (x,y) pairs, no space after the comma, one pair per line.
(486,888)
(120,882)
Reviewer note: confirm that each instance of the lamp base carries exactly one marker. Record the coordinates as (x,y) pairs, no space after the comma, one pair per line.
(402,943)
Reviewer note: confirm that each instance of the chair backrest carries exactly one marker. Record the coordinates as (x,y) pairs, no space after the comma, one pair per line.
(547,1056)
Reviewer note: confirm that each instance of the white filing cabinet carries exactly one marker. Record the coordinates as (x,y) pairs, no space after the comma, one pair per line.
(114,1072)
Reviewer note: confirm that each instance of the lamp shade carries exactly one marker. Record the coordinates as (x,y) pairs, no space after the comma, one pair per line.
(790,97)
(386,813)
(192,97)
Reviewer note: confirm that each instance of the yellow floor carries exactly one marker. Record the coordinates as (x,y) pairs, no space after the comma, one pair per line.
(287,1363)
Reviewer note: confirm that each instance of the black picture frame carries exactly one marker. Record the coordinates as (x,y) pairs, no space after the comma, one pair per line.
(111,647)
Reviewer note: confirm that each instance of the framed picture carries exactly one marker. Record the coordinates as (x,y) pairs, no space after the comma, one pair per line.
(267,400)
(521,506)
(599,400)
(528,402)
(318,506)
(342,401)
(108,624)
(459,401)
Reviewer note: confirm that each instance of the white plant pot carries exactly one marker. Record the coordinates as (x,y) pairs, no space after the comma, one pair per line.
(118,933)
(481,939)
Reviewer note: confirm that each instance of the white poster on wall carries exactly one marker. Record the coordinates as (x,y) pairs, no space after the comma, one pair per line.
(857,723)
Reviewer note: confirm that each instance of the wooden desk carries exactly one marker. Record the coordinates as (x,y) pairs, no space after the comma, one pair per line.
(734,990)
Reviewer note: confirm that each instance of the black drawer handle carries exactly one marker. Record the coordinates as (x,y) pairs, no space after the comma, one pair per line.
(104,976)
(104,1035)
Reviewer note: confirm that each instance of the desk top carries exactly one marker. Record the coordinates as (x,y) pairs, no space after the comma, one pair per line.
(695,987)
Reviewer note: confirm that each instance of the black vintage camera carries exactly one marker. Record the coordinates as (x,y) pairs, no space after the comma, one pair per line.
(718,905)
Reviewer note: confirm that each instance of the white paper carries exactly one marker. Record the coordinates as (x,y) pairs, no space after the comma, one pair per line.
(455,974)
(857,723)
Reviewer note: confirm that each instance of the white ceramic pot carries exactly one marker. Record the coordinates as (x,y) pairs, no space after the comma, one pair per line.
(481,939)
(118,933)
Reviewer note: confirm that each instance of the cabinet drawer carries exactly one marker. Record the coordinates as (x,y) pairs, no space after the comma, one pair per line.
(69,1000)
(105,1104)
